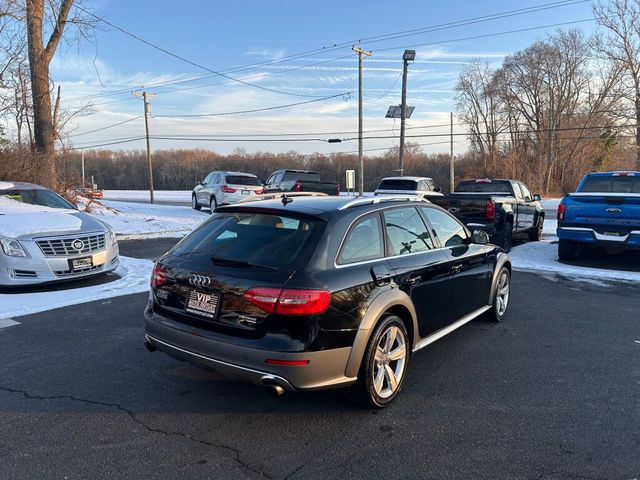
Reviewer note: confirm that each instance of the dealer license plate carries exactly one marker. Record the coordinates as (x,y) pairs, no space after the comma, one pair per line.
(81,263)
(203,304)
(245,192)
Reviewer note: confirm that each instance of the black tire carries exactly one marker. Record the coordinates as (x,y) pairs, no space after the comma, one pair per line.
(194,203)
(567,249)
(213,204)
(364,391)
(498,310)
(507,236)
(535,234)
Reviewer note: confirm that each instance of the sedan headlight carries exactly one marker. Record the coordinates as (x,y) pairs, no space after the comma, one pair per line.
(111,235)
(12,247)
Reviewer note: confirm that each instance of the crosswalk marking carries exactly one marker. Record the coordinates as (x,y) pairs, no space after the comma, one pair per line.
(6,323)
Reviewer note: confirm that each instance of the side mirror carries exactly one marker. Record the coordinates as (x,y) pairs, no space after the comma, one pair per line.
(480,237)
(437,189)
(537,197)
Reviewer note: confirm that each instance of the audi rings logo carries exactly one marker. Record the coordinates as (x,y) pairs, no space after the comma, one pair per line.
(78,244)
(199,281)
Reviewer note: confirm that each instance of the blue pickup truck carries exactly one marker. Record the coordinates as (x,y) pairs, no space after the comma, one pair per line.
(604,211)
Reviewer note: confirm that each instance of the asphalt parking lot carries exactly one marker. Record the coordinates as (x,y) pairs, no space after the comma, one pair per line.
(553,392)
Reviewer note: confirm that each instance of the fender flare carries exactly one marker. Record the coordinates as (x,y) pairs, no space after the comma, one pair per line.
(378,307)
(503,259)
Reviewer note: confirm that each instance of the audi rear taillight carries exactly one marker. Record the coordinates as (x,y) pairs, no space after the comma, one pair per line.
(490,209)
(562,208)
(158,276)
(227,189)
(297,187)
(289,301)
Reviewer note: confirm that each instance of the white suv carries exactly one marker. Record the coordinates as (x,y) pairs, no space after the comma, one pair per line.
(225,188)
(421,186)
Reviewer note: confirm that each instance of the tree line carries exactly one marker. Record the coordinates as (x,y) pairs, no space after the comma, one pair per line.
(566,105)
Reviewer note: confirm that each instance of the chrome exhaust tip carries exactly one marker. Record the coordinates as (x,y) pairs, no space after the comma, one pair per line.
(274,390)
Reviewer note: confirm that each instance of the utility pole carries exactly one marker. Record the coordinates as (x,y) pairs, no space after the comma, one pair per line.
(360,53)
(407,56)
(452,175)
(82,162)
(147,110)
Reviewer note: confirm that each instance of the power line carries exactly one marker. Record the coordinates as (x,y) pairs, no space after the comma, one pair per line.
(106,127)
(264,109)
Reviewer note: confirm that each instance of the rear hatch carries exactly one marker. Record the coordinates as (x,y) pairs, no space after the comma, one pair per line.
(392,186)
(242,185)
(219,276)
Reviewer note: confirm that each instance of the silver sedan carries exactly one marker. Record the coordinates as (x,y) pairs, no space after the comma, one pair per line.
(44,238)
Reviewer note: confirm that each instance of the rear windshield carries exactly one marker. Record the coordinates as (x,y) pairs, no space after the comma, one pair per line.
(255,238)
(611,184)
(311,177)
(37,196)
(484,187)
(242,180)
(398,184)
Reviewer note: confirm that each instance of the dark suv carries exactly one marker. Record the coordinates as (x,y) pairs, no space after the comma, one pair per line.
(322,292)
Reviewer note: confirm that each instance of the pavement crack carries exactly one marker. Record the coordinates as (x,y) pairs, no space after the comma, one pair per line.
(235,453)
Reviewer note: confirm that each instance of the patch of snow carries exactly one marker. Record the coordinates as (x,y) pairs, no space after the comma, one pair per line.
(139,220)
(135,275)
(158,195)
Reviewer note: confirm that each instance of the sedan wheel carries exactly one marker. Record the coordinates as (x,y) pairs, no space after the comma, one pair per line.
(194,203)
(213,204)
(384,364)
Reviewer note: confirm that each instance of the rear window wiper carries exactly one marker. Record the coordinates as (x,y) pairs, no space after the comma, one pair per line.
(240,263)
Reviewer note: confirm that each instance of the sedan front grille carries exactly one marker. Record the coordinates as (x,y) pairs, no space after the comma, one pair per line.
(67,246)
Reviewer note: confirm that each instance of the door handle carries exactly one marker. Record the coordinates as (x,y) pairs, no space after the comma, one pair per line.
(380,276)
(412,280)
(456,268)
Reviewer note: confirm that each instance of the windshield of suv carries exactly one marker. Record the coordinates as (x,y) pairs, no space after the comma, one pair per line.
(37,196)
(611,184)
(242,180)
(398,184)
(261,239)
(484,187)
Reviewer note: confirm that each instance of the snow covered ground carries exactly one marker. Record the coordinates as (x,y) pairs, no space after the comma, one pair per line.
(134,273)
(138,220)
(143,195)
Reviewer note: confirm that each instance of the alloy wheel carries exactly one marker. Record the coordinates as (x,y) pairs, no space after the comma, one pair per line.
(389,362)
(502,295)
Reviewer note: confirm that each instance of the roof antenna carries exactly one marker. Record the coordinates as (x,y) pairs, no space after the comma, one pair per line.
(286,200)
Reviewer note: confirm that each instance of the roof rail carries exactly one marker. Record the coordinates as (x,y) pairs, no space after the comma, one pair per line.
(276,195)
(380,199)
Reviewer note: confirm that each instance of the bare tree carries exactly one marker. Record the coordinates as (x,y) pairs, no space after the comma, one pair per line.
(40,56)
(620,43)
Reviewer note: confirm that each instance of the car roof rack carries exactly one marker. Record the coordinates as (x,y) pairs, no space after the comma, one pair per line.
(381,199)
(276,195)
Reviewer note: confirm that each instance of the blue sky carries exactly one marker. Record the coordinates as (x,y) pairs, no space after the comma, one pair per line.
(225,35)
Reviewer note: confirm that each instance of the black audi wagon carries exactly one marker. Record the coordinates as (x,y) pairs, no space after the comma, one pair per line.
(309,293)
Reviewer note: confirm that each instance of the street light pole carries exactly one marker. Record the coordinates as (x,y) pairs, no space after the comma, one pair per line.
(360,53)
(407,56)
